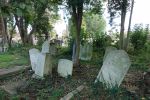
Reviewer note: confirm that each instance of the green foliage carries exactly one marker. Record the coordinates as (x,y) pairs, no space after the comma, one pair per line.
(117,6)
(139,37)
(99,90)
(2,95)
(102,41)
(93,25)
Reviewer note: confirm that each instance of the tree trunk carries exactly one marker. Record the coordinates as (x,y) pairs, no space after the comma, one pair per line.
(2,30)
(22,27)
(77,17)
(129,26)
(123,16)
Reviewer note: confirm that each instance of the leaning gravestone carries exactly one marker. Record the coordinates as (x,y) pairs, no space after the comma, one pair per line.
(85,52)
(45,47)
(114,68)
(65,67)
(33,57)
(108,49)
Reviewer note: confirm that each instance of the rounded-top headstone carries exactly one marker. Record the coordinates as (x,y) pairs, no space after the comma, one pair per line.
(65,67)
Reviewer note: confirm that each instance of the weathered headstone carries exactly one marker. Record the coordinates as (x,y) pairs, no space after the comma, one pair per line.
(52,49)
(65,67)
(115,67)
(44,66)
(33,57)
(108,49)
(86,51)
(45,47)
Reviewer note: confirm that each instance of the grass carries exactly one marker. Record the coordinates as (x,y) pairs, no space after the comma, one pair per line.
(9,60)
(16,56)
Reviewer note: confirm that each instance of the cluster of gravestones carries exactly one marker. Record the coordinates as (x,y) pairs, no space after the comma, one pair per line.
(115,63)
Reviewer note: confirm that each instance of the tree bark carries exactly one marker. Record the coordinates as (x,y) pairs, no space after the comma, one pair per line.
(123,16)
(122,30)
(77,17)
(22,27)
(129,26)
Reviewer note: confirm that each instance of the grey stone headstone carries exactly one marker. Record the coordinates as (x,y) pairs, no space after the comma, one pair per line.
(33,57)
(52,49)
(86,52)
(108,49)
(114,69)
(65,67)
(45,47)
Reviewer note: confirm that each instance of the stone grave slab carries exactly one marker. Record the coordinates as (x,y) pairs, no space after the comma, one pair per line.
(114,68)
(44,66)
(33,57)
(45,47)
(86,52)
(52,49)
(65,67)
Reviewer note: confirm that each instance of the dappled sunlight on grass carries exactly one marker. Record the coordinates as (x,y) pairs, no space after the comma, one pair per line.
(10,60)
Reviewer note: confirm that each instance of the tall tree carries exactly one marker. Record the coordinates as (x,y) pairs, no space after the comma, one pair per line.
(129,26)
(76,10)
(119,7)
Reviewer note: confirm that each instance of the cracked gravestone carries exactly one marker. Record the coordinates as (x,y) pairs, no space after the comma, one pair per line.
(65,67)
(114,68)
(33,57)
(86,52)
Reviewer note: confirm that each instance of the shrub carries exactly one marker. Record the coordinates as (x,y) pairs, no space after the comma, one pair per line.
(139,36)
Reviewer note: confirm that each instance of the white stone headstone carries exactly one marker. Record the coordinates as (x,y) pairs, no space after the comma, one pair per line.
(108,49)
(45,47)
(114,68)
(86,52)
(43,65)
(33,57)
(40,64)
(65,67)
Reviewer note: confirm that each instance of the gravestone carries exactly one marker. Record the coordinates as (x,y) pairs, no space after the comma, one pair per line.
(52,49)
(65,67)
(33,57)
(44,66)
(45,47)
(115,67)
(1,49)
(85,52)
(108,49)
